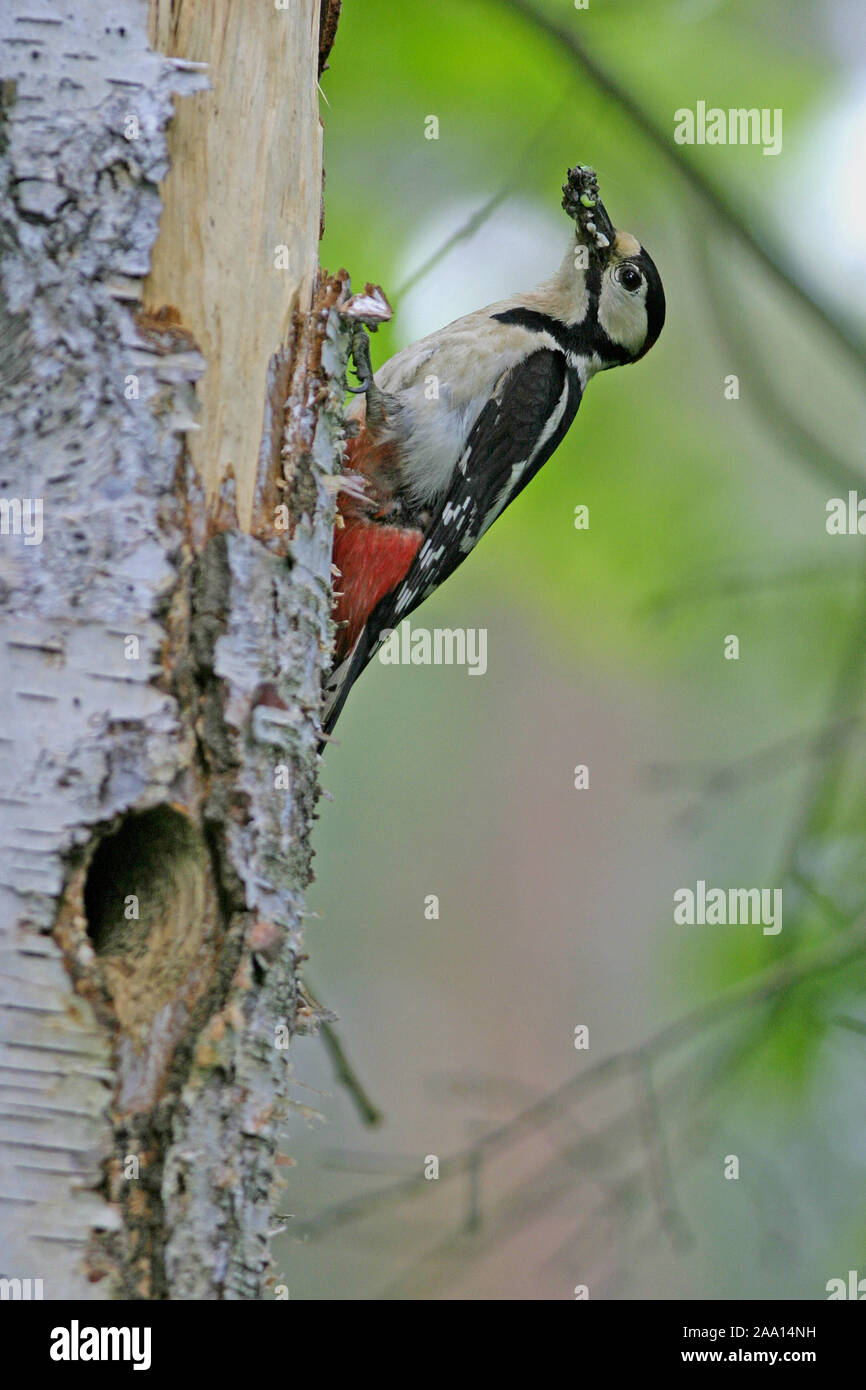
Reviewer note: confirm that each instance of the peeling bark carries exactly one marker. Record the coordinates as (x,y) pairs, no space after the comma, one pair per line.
(161,663)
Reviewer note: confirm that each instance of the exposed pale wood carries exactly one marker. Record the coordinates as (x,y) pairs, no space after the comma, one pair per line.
(246,179)
(158,1043)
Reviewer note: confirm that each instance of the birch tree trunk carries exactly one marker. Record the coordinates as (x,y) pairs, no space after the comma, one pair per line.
(171,370)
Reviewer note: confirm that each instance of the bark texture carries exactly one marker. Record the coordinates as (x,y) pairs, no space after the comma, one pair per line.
(161,661)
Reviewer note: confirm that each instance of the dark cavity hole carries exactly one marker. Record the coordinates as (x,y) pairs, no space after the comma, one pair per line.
(134,876)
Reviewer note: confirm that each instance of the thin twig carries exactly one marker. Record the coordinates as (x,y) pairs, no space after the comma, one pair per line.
(348,1077)
(714,589)
(811,447)
(854,1025)
(769,986)
(476,220)
(844,694)
(755,239)
(671,1217)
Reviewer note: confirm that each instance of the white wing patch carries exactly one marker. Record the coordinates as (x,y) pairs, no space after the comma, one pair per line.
(517,471)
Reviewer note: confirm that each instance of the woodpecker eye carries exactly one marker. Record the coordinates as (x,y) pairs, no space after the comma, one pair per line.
(629,277)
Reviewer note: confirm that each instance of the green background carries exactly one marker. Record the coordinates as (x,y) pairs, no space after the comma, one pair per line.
(707,518)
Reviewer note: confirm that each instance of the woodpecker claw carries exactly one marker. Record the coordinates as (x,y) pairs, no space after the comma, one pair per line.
(361,361)
(375,407)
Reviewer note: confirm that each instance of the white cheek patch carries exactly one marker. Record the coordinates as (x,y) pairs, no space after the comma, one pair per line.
(622,315)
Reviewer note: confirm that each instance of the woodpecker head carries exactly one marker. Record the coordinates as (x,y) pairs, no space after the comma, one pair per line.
(624,298)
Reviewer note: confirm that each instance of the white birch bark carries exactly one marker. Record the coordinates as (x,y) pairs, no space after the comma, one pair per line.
(159,658)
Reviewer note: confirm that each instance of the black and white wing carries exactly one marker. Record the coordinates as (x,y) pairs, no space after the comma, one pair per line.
(522,423)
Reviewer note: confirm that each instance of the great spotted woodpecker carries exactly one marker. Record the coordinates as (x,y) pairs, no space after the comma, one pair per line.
(432,469)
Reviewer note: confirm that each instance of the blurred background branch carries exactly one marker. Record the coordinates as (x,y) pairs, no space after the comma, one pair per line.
(708,511)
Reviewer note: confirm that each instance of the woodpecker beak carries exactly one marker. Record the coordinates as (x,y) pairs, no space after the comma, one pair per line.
(582,203)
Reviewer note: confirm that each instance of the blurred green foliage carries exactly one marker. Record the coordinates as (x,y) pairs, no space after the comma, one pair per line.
(706,518)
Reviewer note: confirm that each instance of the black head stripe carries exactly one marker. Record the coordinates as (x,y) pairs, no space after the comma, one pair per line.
(655,301)
(587,335)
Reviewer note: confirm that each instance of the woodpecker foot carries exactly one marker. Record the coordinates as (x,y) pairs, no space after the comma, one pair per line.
(375,407)
(361,360)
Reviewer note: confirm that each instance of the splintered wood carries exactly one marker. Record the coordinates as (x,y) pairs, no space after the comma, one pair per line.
(238,237)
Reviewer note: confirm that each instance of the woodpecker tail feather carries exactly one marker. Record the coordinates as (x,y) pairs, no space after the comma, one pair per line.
(340,682)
